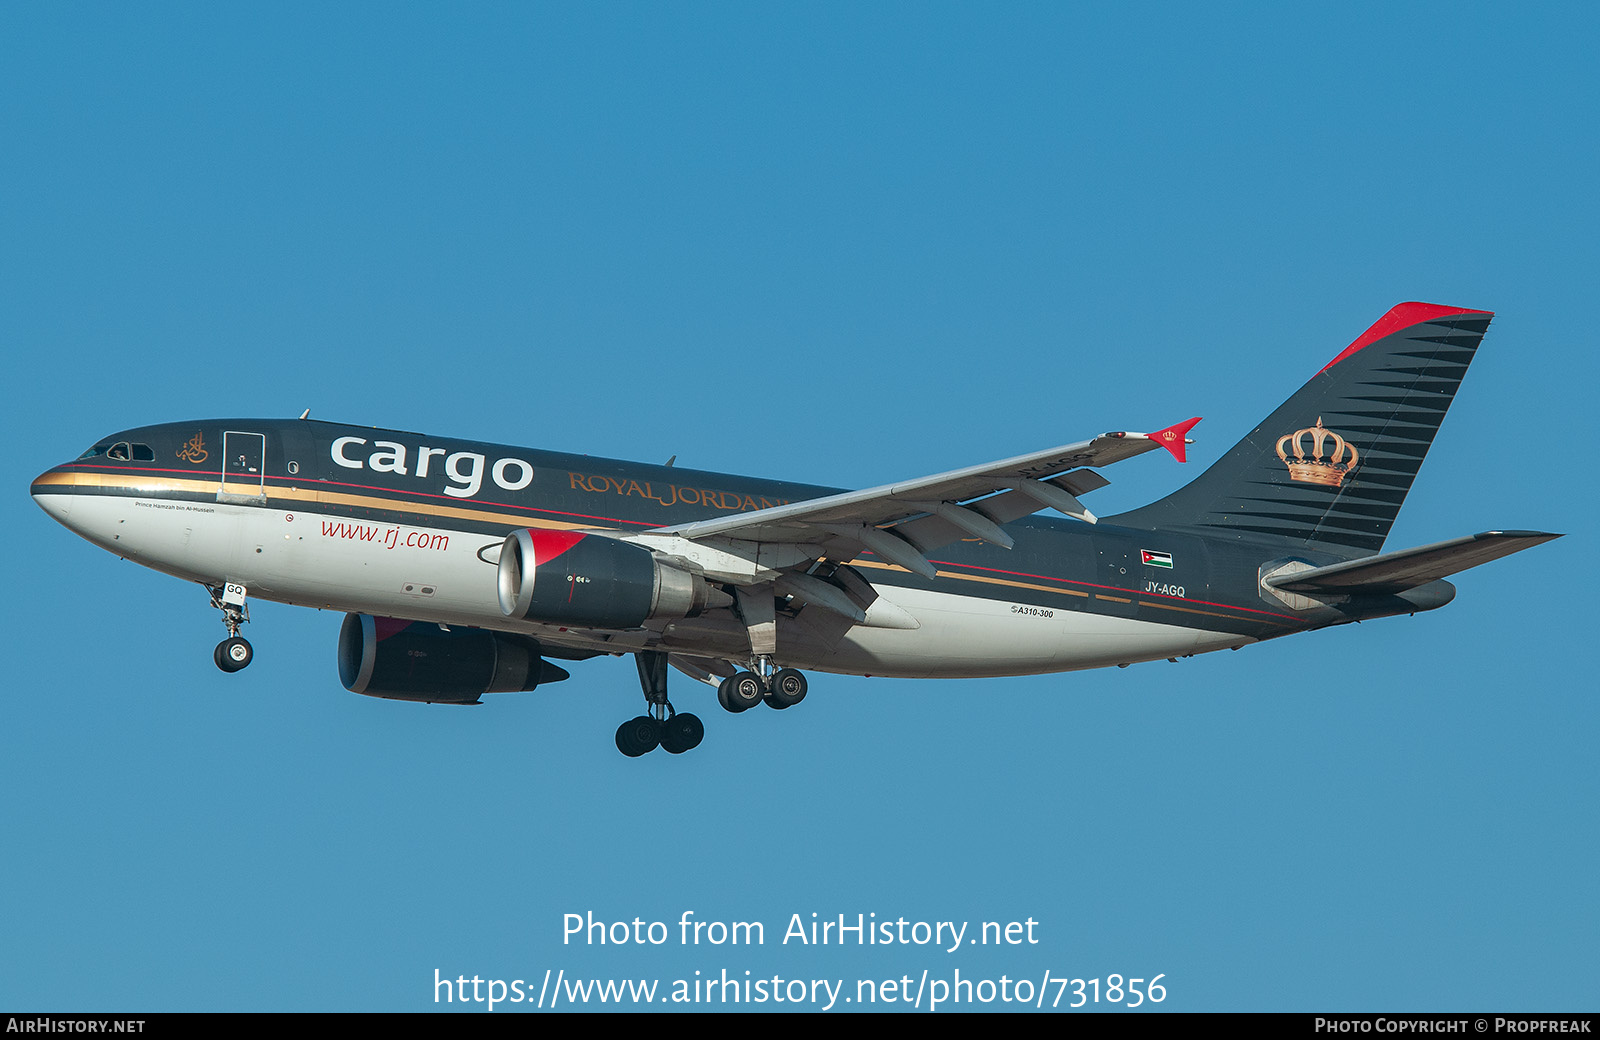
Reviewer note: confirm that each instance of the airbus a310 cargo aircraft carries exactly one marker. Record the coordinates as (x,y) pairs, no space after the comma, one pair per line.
(466,567)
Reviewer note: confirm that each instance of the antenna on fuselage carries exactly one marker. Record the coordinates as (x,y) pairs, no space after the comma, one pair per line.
(305,413)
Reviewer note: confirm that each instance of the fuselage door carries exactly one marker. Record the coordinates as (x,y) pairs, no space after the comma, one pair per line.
(243,467)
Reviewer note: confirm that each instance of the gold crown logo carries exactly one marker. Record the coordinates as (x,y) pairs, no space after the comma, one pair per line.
(1318,468)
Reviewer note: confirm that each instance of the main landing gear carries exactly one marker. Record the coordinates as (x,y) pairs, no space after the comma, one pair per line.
(678,732)
(780,689)
(234,652)
(763,681)
(662,726)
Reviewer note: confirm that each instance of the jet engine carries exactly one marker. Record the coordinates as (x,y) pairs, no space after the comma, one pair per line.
(419,661)
(592,581)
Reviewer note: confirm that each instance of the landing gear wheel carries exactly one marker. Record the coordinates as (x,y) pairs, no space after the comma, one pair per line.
(233,653)
(682,733)
(639,736)
(788,688)
(741,691)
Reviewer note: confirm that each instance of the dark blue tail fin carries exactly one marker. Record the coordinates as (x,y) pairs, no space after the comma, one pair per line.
(1331,467)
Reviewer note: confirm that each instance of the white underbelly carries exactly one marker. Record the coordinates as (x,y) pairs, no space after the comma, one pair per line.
(970,637)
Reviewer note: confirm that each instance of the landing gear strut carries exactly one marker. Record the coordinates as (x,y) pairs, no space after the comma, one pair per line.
(662,726)
(234,652)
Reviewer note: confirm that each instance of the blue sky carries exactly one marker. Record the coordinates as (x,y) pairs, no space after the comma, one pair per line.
(831,243)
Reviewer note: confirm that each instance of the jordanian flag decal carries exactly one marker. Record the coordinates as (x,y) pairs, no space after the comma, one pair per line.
(1156,559)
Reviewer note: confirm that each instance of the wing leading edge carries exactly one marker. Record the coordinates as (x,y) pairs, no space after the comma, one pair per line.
(904,520)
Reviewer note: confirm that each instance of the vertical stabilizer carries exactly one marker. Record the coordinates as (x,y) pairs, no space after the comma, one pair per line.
(1332,466)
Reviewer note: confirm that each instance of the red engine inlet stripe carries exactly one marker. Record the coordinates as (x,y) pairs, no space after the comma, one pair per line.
(547,545)
(384,627)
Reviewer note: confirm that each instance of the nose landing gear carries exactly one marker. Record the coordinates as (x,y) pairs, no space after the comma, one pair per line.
(234,652)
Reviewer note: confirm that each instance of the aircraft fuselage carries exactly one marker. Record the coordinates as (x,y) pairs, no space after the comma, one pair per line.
(397,524)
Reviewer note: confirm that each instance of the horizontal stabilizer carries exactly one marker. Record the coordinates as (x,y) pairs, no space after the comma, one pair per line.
(1397,571)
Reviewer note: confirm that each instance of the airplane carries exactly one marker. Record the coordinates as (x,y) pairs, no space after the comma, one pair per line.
(467,568)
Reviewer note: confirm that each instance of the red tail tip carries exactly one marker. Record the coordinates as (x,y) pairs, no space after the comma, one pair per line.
(1402,316)
(1173,438)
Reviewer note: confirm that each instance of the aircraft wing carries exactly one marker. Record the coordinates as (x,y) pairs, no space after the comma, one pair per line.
(901,521)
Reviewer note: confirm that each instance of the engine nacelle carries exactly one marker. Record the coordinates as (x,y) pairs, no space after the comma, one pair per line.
(419,661)
(591,581)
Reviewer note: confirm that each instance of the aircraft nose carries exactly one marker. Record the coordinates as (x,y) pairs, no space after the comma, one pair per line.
(47,490)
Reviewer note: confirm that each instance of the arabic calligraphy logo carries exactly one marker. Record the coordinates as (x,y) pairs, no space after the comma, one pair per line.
(1317,468)
(194,451)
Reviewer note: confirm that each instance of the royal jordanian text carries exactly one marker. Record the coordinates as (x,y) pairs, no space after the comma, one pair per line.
(671,494)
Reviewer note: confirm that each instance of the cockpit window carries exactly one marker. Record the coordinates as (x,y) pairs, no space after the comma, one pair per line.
(122,451)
